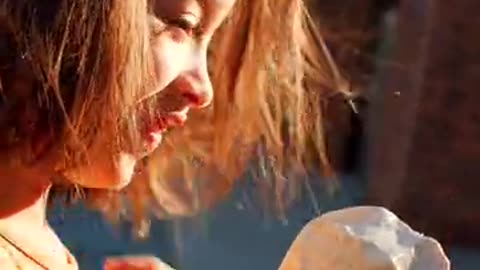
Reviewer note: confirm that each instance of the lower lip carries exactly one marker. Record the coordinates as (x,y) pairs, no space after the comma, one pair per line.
(153,140)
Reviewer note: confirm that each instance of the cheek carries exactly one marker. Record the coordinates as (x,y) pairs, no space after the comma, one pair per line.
(170,59)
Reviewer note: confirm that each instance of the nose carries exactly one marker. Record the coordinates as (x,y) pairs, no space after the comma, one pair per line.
(195,85)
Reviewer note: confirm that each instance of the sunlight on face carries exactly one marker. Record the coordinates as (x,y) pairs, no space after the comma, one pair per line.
(181,31)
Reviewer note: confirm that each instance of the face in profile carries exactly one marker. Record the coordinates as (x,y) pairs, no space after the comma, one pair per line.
(180,35)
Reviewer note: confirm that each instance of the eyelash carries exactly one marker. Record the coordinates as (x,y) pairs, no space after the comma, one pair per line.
(183,24)
(181,28)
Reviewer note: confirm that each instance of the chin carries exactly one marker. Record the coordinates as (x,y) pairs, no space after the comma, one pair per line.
(114,174)
(124,170)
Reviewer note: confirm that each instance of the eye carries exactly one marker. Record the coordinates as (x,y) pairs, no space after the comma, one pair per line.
(184,26)
(183,23)
(180,28)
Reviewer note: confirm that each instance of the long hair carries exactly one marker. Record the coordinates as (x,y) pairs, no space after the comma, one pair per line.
(90,61)
(271,71)
(66,46)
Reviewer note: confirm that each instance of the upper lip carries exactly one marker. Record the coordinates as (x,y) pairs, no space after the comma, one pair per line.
(175,119)
(164,121)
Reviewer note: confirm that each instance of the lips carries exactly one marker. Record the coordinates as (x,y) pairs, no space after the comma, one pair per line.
(160,124)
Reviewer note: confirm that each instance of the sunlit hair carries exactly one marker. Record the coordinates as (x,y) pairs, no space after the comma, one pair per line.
(271,72)
(59,49)
(268,65)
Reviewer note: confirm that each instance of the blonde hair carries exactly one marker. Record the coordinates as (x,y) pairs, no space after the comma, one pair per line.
(268,65)
(271,71)
(67,45)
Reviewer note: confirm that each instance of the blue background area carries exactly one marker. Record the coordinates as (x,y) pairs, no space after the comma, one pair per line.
(234,236)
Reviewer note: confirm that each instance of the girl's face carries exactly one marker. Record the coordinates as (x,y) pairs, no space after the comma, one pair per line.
(181,31)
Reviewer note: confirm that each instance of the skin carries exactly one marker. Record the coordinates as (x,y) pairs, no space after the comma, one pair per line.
(182,84)
(182,81)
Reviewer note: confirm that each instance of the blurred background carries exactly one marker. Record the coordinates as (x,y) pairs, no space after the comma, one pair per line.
(408,139)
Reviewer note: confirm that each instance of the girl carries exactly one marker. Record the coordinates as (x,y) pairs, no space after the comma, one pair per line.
(91,87)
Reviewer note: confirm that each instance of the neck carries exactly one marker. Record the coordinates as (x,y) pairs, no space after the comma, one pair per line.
(23,199)
(23,223)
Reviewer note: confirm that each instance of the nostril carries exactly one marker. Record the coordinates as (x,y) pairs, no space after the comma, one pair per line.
(197,100)
(195,90)
(192,98)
